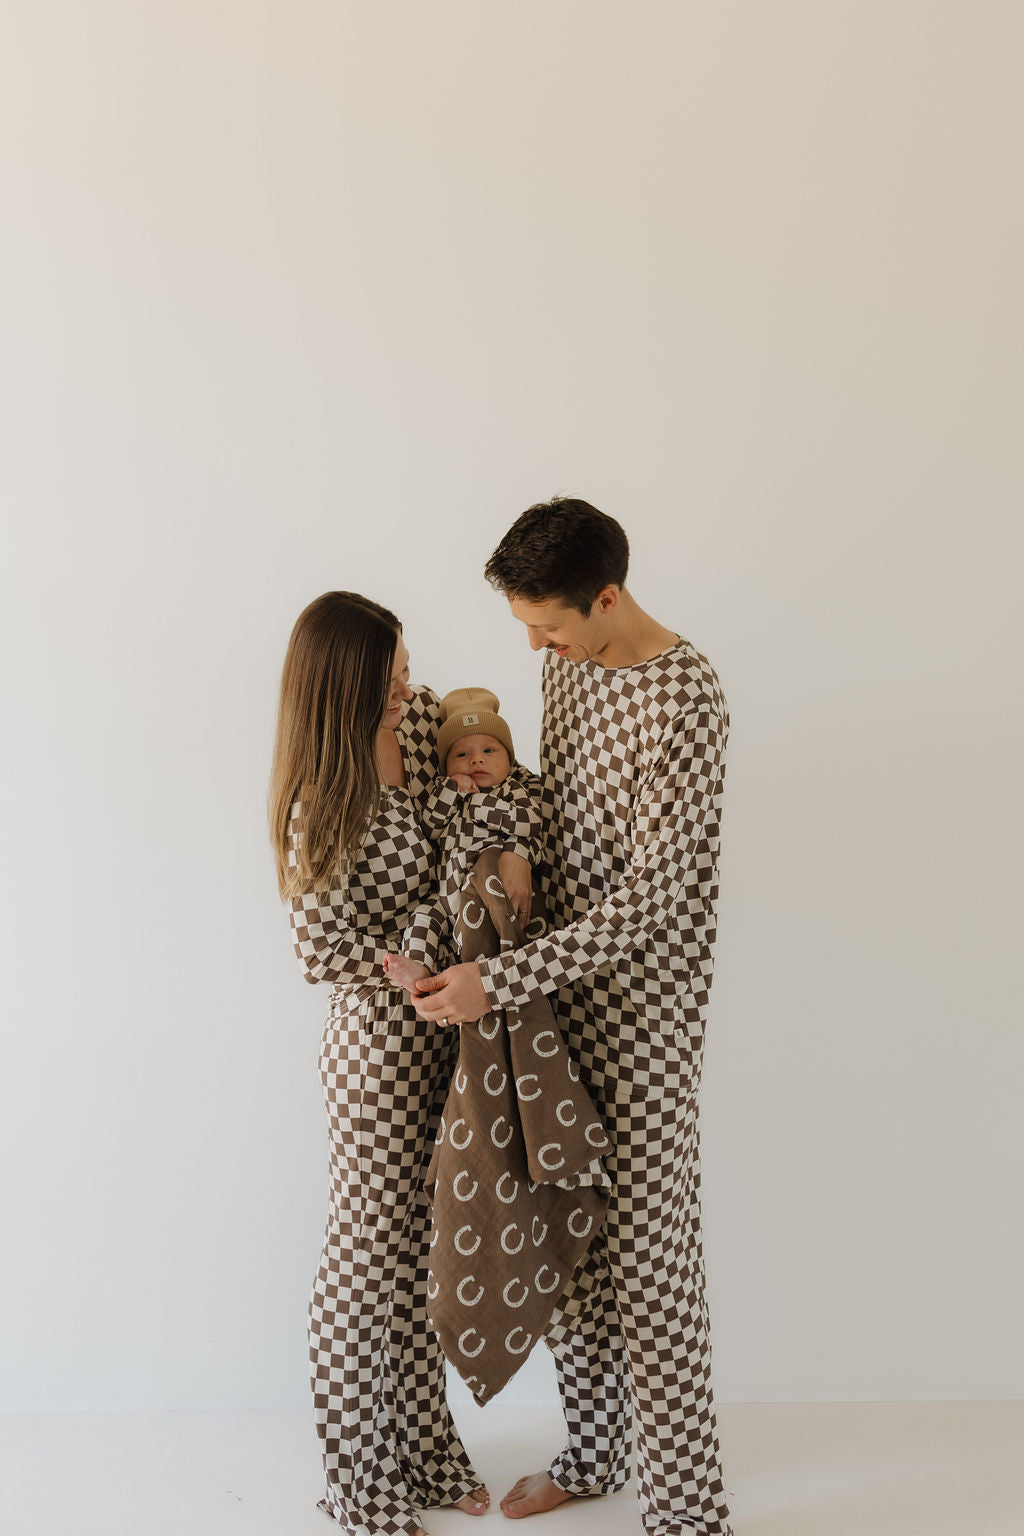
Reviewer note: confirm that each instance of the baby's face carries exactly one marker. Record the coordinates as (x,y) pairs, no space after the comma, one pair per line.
(483,758)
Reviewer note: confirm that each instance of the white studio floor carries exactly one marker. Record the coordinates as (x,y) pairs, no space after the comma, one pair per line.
(866,1469)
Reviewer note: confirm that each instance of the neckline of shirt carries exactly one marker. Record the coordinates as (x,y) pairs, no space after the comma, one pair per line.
(632,666)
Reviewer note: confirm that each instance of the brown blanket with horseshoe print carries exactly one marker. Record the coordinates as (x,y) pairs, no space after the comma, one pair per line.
(517,1186)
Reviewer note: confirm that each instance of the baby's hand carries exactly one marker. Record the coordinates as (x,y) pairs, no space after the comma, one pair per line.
(403,971)
(464,784)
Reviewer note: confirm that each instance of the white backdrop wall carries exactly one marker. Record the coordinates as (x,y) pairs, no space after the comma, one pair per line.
(323,294)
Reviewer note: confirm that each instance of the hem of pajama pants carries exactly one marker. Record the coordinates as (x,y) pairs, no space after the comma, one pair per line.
(670,1526)
(392,1525)
(579,1487)
(446,1500)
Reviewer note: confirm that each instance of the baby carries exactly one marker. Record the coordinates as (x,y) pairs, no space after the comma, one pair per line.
(482,799)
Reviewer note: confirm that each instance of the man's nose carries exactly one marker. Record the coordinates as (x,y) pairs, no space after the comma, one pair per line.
(536,643)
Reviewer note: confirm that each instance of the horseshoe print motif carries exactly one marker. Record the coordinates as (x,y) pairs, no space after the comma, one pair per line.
(467,908)
(506,1241)
(459,1145)
(468,1301)
(577,1231)
(463,1173)
(517,1349)
(470,1354)
(466,1252)
(494,1132)
(501,1086)
(509,1302)
(507,1199)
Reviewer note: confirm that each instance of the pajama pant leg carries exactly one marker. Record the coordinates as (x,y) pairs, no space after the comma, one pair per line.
(594,1387)
(388,1441)
(656,1297)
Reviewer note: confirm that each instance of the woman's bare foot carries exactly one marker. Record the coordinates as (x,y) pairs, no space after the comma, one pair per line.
(532,1496)
(475,1503)
(404,972)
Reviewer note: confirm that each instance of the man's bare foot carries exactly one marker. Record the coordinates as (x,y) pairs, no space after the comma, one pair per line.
(403,971)
(532,1496)
(475,1503)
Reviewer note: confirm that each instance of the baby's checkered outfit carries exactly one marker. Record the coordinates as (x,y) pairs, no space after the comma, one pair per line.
(507,816)
(632,763)
(389,1444)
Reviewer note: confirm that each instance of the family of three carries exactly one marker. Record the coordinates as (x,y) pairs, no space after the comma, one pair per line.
(378,809)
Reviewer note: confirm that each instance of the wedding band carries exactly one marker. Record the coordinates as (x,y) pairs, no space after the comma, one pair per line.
(444,1022)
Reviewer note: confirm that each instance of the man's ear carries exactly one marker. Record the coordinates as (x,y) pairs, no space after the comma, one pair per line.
(607,598)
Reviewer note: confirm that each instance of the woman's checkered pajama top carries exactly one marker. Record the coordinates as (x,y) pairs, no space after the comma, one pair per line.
(632,762)
(389,1445)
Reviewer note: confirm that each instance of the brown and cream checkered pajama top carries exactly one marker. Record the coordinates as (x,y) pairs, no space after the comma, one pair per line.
(632,762)
(389,1445)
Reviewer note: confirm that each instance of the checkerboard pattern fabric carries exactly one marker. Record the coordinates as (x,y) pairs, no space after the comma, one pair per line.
(388,1441)
(342,935)
(632,764)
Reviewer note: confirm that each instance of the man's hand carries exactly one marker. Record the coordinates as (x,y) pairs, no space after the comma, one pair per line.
(456,996)
(516,876)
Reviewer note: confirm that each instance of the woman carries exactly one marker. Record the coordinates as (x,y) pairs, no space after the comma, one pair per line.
(354,752)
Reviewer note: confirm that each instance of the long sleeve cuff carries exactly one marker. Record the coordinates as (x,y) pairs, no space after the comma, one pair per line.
(504,987)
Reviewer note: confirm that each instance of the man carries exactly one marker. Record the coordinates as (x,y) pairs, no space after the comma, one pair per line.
(632,762)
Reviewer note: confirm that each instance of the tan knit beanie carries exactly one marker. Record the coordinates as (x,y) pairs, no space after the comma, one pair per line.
(471,712)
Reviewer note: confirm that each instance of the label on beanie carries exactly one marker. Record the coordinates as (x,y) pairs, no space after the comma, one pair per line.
(471,719)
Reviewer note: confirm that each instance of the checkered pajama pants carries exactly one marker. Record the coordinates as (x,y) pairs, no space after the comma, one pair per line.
(388,1441)
(641,1346)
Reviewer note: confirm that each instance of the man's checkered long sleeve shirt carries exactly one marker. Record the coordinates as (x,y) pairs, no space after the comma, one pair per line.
(632,764)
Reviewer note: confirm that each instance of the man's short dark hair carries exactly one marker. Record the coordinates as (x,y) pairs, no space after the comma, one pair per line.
(564,549)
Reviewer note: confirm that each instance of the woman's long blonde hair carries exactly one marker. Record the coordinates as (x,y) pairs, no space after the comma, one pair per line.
(334,691)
